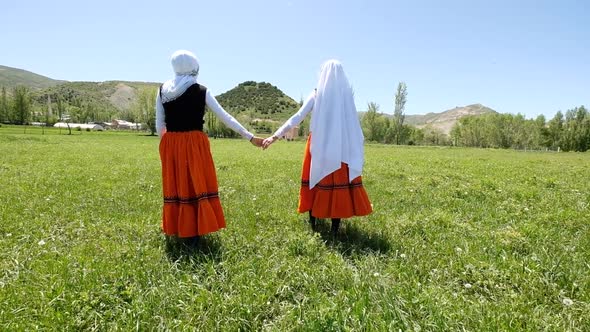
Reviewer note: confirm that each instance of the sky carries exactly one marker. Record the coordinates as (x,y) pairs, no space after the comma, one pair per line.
(518,56)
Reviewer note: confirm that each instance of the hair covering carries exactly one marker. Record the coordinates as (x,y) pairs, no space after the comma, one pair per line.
(186,70)
(337,136)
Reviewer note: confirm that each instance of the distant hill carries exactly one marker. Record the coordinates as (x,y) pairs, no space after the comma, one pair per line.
(445,121)
(10,77)
(114,95)
(118,95)
(260,100)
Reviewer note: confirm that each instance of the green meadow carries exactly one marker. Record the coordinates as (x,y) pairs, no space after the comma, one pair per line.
(460,240)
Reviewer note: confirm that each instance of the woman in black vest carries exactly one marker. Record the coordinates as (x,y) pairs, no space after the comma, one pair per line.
(191,201)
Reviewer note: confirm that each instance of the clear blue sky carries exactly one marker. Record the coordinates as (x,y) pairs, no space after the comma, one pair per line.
(527,56)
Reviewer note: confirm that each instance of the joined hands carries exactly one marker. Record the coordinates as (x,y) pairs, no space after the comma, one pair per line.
(263,143)
(256,141)
(267,142)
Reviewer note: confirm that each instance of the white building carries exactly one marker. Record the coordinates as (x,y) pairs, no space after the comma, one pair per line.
(122,124)
(83,126)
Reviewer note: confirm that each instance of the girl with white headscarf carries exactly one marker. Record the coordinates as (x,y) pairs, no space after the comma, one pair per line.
(191,201)
(331,185)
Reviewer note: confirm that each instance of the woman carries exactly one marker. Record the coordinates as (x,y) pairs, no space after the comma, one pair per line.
(191,200)
(331,182)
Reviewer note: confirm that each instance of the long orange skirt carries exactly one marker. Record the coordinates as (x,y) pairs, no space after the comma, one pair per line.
(191,198)
(334,196)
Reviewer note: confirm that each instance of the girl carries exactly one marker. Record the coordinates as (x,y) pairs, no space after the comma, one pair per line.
(191,201)
(331,183)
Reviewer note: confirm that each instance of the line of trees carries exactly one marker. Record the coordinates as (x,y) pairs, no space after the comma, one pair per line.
(568,133)
(16,108)
(21,106)
(565,132)
(377,127)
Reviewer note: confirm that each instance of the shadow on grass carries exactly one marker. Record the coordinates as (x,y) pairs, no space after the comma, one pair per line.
(207,248)
(351,239)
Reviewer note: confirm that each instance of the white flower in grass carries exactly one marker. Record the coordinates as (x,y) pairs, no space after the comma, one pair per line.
(257,213)
(41,243)
(254,198)
(402,256)
(467,285)
(8,234)
(567,302)
(458,250)
(376,274)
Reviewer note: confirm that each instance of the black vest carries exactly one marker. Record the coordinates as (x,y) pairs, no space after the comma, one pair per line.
(186,112)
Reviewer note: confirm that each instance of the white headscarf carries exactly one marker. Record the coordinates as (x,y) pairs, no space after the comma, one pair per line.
(186,70)
(337,136)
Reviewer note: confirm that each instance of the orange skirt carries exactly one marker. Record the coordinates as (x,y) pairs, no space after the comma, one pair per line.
(334,196)
(191,198)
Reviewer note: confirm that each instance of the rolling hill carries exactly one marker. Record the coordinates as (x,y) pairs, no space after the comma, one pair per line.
(10,77)
(260,100)
(445,121)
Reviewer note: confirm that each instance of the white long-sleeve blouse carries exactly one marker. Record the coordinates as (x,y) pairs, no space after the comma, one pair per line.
(213,104)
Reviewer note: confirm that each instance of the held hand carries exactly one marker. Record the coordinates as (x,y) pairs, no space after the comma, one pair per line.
(256,141)
(267,142)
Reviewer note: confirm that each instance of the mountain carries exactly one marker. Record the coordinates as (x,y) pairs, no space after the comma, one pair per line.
(114,95)
(111,95)
(445,121)
(251,101)
(10,77)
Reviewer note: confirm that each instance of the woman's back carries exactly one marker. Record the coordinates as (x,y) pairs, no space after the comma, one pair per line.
(186,112)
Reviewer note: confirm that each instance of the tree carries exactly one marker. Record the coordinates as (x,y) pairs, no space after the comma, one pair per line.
(582,134)
(555,131)
(61,108)
(74,113)
(145,107)
(371,123)
(416,136)
(430,136)
(398,113)
(22,104)
(303,130)
(211,125)
(4,106)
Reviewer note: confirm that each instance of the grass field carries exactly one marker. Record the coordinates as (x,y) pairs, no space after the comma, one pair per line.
(461,239)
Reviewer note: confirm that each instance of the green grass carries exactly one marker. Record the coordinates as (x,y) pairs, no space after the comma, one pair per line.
(461,239)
